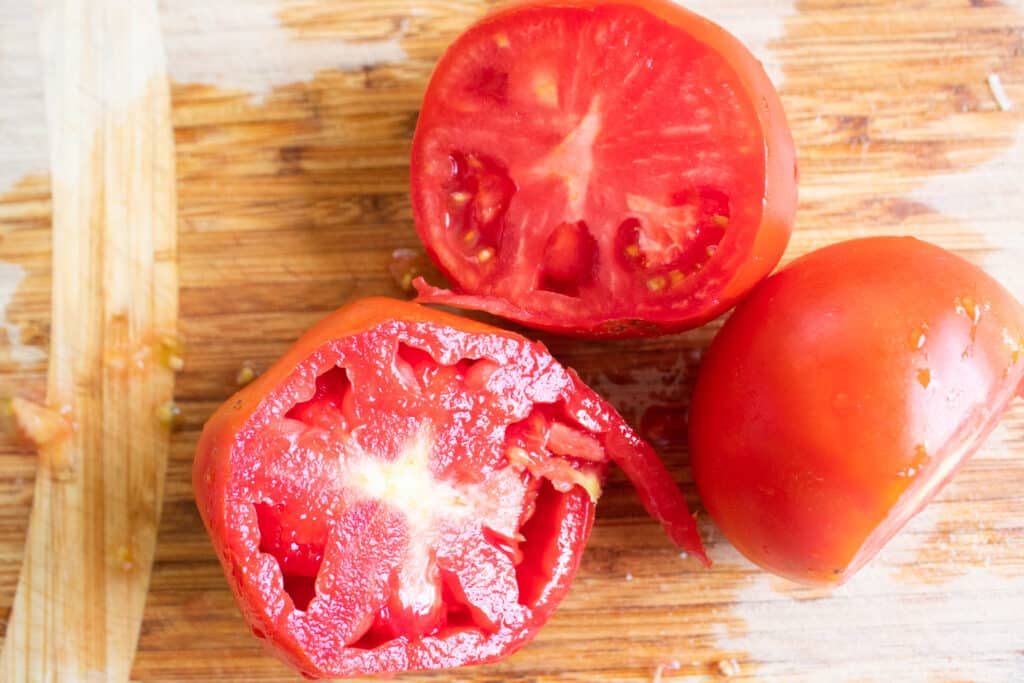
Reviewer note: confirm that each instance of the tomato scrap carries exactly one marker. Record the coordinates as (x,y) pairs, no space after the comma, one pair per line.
(843,394)
(405,489)
(601,169)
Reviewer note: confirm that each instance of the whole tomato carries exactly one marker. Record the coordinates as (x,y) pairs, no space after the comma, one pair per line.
(843,394)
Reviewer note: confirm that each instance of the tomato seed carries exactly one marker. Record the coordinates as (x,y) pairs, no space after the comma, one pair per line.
(169,415)
(245,374)
(478,198)
(656,283)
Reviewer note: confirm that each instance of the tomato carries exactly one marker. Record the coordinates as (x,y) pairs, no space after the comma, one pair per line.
(601,168)
(843,394)
(405,489)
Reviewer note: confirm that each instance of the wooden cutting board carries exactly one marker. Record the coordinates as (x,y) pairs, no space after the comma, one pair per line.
(292,121)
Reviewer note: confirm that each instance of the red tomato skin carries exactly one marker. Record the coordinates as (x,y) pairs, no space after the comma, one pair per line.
(843,394)
(255,582)
(759,257)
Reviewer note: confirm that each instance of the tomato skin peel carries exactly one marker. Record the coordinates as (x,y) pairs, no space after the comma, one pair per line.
(606,298)
(287,520)
(843,394)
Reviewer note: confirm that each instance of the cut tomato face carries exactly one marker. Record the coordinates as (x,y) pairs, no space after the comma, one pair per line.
(407,490)
(601,169)
(843,394)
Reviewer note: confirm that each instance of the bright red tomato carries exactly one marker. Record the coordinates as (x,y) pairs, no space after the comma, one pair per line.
(601,168)
(843,394)
(406,489)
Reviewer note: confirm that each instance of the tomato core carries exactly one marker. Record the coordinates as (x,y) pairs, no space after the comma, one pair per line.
(451,519)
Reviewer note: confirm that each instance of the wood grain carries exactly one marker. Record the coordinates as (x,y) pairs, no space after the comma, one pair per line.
(292,121)
(98,490)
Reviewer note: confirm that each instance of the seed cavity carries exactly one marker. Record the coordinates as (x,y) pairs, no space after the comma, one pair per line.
(569,259)
(479,192)
(668,239)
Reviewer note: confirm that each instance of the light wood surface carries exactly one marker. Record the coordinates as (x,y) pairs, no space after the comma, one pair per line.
(99,486)
(292,121)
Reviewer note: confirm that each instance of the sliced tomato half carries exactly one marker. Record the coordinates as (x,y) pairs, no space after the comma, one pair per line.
(406,489)
(601,168)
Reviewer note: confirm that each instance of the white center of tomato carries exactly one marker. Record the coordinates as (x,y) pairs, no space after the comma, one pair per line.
(408,485)
(572,161)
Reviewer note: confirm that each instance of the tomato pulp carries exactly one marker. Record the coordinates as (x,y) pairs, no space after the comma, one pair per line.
(601,168)
(843,394)
(406,489)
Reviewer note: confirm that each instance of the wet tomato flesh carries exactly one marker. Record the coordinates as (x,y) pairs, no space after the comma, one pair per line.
(601,168)
(406,490)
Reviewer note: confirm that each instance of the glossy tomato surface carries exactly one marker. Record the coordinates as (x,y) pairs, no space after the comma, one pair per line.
(601,168)
(843,393)
(406,489)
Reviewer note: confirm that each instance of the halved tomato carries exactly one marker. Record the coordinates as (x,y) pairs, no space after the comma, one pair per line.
(406,489)
(601,168)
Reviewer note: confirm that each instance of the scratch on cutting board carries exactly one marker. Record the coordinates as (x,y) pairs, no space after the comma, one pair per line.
(240,44)
(995,84)
(11,276)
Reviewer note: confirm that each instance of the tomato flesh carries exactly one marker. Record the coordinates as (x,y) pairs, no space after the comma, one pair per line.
(579,166)
(841,396)
(412,495)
